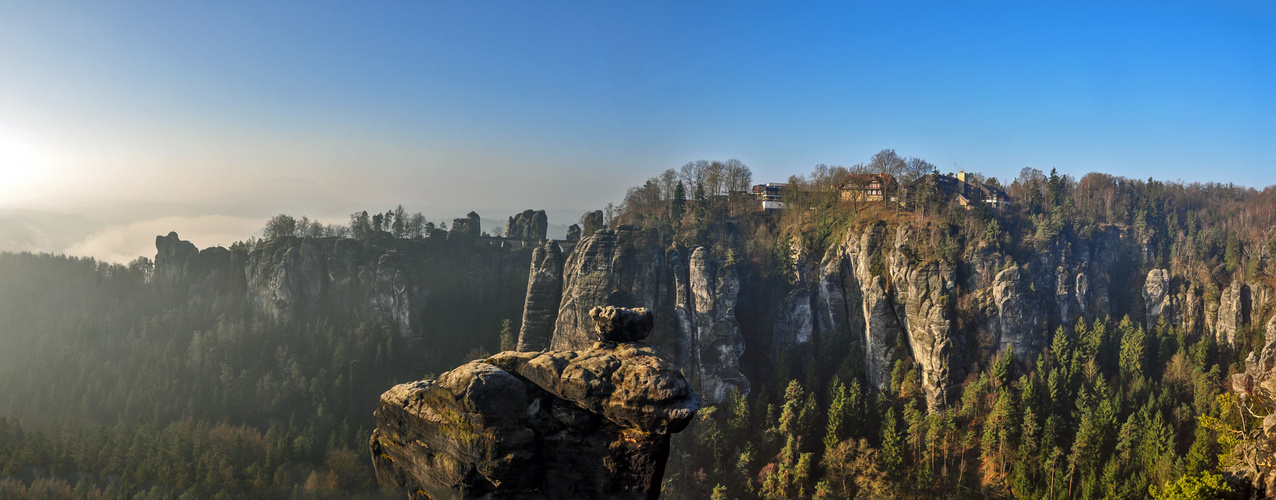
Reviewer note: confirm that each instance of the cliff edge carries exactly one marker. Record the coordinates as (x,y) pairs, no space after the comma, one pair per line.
(593,423)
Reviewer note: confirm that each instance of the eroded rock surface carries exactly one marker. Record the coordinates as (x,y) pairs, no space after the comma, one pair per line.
(1158,299)
(619,324)
(593,423)
(544,292)
(528,225)
(1232,313)
(691,294)
(1022,320)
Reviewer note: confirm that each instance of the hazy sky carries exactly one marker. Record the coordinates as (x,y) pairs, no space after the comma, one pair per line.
(207,117)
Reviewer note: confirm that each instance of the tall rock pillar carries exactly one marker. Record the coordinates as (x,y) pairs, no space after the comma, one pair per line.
(544,291)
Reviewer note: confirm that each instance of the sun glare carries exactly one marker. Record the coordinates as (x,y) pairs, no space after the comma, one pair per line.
(26,171)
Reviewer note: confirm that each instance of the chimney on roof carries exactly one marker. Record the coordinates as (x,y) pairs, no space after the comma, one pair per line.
(961,175)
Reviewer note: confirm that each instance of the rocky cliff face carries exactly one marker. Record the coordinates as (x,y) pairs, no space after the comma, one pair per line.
(172,255)
(1158,297)
(924,304)
(692,297)
(711,338)
(592,423)
(1020,315)
(529,225)
(410,285)
(608,269)
(544,292)
(1233,312)
(880,292)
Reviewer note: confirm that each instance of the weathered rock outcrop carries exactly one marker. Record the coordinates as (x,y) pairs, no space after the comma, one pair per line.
(591,222)
(407,284)
(1021,319)
(713,334)
(851,300)
(926,297)
(469,227)
(605,269)
(544,292)
(573,233)
(1158,298)
(171,256)
(693,298)
(619,324)
(1233,312)
(1255,389)
(871,292)
(594,423)
(273,284)
(529,225)
(793,328)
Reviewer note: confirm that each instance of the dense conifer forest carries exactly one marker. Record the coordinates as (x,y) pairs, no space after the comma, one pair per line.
(114,386)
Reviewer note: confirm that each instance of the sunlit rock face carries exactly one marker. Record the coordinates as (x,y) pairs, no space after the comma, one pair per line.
(592,423)
(1233,312)
(1158,298)
(888,294)
(691,295)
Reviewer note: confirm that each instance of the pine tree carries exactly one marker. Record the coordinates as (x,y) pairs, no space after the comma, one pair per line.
(678,205)
(892,445)
(1133,350)
(838,413)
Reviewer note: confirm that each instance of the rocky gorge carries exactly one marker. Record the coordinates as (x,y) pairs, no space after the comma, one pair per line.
(874,289)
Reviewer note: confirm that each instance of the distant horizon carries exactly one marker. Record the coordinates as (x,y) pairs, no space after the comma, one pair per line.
(121,239)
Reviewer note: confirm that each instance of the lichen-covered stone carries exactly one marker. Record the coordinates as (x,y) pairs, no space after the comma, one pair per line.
(560,424)
(620,324)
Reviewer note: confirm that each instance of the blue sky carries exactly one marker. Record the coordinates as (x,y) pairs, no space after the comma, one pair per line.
(241,109)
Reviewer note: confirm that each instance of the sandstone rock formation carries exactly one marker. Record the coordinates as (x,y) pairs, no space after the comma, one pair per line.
(405,284)
(594,423)
(573,233)
(712,334)
(793,328)
(529,225)
(876,286)
(171,256)
(1255,389)
(591,222)
(619,324)
(469,227)
(602,270)
(544,292)
(692,296)
(1233,312)
(1021,318)
(1158,298)
(927,295)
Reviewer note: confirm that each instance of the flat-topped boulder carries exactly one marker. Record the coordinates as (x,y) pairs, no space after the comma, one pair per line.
(594,423)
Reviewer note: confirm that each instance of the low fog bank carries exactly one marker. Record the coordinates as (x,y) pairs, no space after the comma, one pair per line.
(123,243)
(42,231)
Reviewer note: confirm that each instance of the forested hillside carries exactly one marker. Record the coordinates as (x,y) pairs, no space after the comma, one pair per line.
(906,349)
